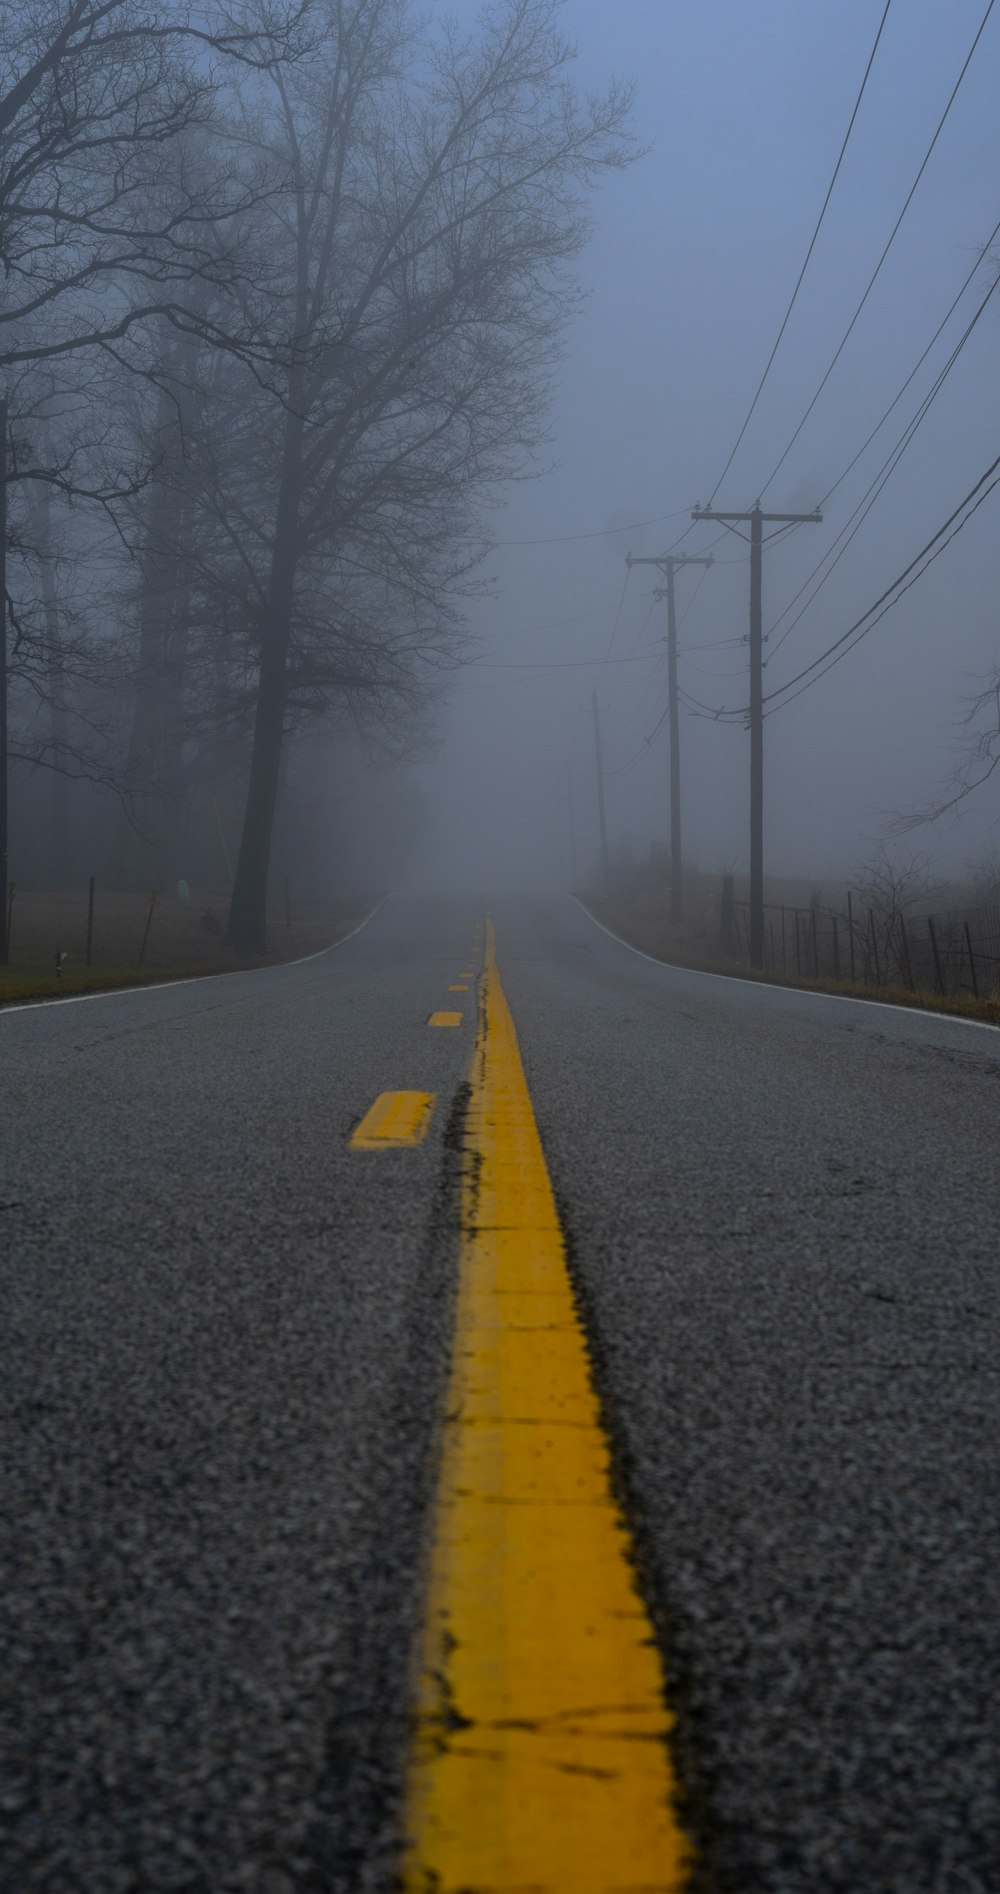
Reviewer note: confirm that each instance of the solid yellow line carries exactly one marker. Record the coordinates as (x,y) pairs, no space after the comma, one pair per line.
(445,1019)
(395,1118)
(539,1759)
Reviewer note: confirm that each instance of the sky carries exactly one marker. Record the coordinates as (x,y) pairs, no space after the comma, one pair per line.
(694,256)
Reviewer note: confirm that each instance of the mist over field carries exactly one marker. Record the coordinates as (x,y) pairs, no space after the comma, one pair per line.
(499,946)
(323,476)
(694,258)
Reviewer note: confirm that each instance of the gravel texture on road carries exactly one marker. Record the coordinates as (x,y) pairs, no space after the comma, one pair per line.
(784,1217)
(226,1337)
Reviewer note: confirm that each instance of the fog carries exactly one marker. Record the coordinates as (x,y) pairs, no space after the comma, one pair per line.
(338,406)
(694,256)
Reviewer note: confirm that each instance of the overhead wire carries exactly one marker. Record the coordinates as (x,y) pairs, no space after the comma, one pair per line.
(866,622)
(647,683)
(779,463)
(917,366)
(599,532)
(831,558)
(853,636)
(812,245)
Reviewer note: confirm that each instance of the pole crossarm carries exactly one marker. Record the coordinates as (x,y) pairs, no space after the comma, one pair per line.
(814,518)
(665,559)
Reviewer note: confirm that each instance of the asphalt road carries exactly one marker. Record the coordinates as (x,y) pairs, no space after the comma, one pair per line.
(228,1335)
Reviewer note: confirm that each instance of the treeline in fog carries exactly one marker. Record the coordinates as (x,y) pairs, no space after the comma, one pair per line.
(282,287)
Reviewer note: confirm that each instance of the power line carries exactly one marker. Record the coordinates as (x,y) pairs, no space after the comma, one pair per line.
(917,366)
(805,266)
(574,618)
(618,618)
(559,664)
(647,683)
(599,532)
(877,486)
(897,589)
(884,603)
(878,267)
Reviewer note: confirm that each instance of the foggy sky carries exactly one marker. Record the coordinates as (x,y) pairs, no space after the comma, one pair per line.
(696,251)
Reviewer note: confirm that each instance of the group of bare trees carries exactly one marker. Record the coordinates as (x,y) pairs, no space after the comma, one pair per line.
(282,286)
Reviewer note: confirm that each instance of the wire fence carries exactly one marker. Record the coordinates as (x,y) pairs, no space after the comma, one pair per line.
(954,952)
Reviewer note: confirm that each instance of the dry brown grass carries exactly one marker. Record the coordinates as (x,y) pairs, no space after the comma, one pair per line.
(46,923)
(642,921)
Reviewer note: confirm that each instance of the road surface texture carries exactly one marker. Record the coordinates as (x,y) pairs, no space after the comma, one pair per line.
(228,1336)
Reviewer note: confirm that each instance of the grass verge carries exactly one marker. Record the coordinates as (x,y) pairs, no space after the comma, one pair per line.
(649,938)
(48,924)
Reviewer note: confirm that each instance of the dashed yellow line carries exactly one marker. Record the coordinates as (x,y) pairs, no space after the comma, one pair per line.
(395,1118)
(445,1019)
(539,1759)
(460,986)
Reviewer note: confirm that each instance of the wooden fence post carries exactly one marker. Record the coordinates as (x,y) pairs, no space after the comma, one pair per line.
(726,918)
(149,922)
(939,973)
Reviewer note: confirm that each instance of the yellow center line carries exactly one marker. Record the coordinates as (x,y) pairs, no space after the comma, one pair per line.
(539,1759)
(395,1118)
(445,1019)
(459,987)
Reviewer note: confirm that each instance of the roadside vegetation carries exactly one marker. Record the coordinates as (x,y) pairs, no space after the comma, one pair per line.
(296,328)
(916,942)
(135,941)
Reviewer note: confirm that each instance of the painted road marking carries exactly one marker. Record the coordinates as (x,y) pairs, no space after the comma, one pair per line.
(445,1019)
(538,1761)
(395,1118)
(461,986)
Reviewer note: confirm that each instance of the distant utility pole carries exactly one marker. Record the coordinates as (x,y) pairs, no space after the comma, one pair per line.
(572,826)
(4,937)
(668,564)
(601,816)
(757,521)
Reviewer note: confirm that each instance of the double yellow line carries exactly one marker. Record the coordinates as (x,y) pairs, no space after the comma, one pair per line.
(539,1758)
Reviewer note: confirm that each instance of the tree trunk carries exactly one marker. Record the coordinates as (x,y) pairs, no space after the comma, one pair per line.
(140,843)
(59,855)
(247,926)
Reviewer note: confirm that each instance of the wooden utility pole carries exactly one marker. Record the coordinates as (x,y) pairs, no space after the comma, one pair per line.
(601,816)
(668,563)
(757,521)
(4,929)
(572,825)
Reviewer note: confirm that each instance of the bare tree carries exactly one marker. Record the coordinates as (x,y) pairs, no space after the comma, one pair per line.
(891,886)
(426,205)
(99,230)
(980,762)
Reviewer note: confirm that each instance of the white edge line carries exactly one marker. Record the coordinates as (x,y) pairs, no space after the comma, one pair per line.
(776,986)
(196,979)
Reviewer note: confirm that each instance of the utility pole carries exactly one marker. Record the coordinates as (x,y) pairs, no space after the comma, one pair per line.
(572,824)
(601,817)
(668,564)
(4,937)
(757,521)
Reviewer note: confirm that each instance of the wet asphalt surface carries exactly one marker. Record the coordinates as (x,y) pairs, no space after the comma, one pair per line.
(226,1340)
